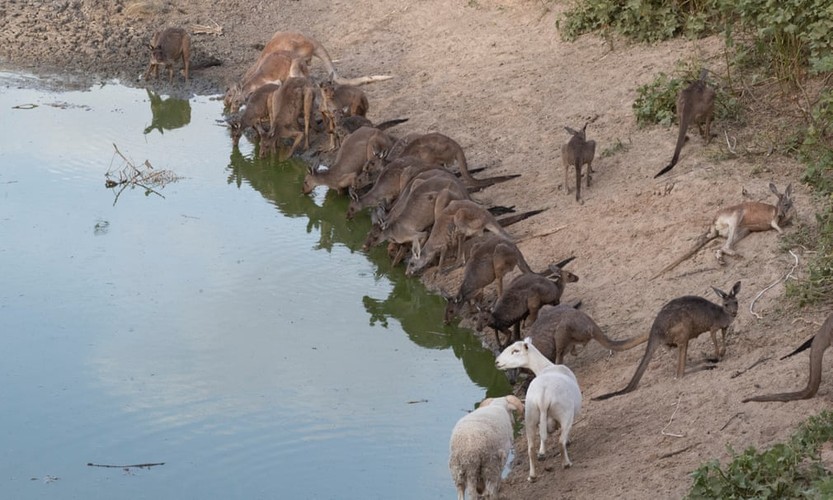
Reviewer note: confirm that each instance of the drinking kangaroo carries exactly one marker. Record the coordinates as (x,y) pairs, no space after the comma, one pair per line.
(166,47)
(523,298)
(817,344)
(681,320)
(695,103)
(576,152)
(737,221)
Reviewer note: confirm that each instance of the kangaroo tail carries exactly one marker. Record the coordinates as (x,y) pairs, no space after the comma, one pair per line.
(361,80)
(619,345)
(802,347)
(701,242)
(512,219)
(640,370)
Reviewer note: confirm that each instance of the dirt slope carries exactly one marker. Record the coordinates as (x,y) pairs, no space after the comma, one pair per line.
(495,76)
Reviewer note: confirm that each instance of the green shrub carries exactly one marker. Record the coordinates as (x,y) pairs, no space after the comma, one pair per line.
(791,470)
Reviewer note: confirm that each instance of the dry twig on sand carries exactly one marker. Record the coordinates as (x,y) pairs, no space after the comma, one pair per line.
(784,278)
(205,29)
(144,176)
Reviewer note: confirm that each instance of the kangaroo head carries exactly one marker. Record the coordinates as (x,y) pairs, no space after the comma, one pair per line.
(730,300)
(785,202)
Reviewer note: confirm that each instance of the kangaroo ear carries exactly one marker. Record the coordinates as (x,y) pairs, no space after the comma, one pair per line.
(774,189)
(570,131)
(736,289)
(789,190)
(720,293)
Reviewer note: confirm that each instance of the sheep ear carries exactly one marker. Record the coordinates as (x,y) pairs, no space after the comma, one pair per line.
(486,402)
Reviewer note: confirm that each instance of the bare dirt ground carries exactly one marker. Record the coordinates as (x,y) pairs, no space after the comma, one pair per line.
(496,76)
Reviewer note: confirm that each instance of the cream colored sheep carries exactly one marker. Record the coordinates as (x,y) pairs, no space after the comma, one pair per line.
(480,445)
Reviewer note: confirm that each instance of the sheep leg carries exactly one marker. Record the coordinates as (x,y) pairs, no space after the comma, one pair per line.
(531,431)
(566,424)
(543,425)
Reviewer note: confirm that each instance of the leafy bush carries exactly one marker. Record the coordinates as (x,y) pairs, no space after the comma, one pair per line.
(791,470)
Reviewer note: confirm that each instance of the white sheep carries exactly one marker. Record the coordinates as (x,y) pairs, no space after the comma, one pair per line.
(480,445)
(553,397)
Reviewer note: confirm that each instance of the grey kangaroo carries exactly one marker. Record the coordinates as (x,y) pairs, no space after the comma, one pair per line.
(681,320)
(695,104)
(817,344)
(576,152)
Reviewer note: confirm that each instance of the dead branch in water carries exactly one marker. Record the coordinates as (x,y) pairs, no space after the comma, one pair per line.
(144,176)
(133,466)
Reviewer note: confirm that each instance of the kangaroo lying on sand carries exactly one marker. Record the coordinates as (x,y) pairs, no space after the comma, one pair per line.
(817,344)
(562,328)
(681,320)
(307,47)
(695,104)
(275,68)
(737,221)
(166,47)
(575,153)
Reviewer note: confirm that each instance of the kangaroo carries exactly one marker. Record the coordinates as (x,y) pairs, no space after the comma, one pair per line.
(166,47)
(523,298)
(275,68)
(681,320)
(562,328)
(575,153)
(286,105)
(254,115)
(337,102)
(387,186)
(442,150)
(417,209)
(459,220)
(491,258)
(349,124)
(737,221)
(817,344)
(412,226)
(307,47)
(349,162)
(695,104)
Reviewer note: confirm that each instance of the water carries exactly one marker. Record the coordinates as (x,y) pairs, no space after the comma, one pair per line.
(233,329)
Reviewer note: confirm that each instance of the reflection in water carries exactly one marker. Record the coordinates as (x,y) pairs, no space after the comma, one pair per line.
(418,312)
(168,114)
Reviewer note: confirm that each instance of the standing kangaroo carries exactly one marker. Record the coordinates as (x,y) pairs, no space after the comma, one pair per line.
(166,47)
(737,221)
(562,328)
(695,103)
(681,320)
(577,152)
(817,344)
